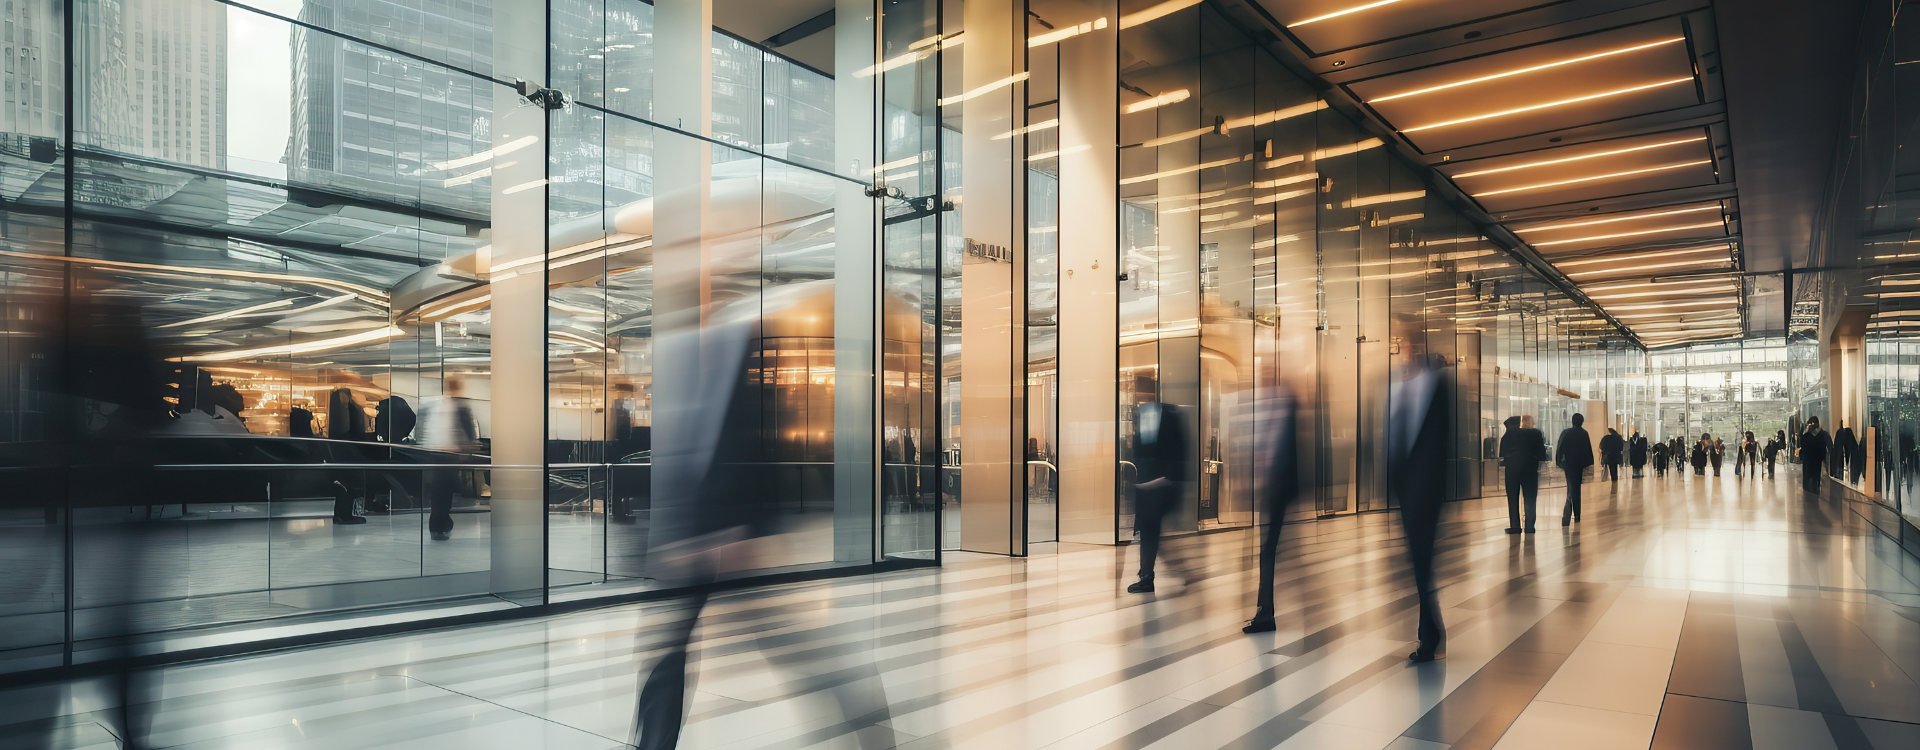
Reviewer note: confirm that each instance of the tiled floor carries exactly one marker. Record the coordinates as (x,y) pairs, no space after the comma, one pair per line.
(1685,612)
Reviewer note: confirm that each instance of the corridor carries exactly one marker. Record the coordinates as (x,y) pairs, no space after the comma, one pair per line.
(1684,612)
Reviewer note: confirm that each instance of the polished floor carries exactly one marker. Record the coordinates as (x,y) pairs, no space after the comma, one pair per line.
(1684,612)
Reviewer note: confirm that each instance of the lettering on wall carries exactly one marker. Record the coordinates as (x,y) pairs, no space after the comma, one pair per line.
(991,253)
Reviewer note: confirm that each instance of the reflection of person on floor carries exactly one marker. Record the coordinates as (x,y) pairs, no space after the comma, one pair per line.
(449,426)
(1280,484)
(1420,421)
(1163,464)
(1573,453)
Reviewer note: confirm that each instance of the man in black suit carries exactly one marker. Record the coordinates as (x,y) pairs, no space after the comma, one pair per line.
(1521,451)
(1279,487)
(1162,461)
(1418,431)
(1844,444)
(1573,454)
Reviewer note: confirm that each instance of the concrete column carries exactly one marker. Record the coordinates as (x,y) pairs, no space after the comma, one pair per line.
(519,335)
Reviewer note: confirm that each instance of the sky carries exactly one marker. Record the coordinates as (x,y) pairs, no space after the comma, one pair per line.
(259,86)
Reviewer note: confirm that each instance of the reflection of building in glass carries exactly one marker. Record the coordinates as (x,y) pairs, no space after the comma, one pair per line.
(35,101)
(374,122)
(157,70)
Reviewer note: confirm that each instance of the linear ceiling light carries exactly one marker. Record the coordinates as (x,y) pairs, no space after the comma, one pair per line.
(1582,157)
(1552,227)
(1728,249)
(1158,101)
(1162,10)
(1664,306)
(1593,178)
(1627,234)
(1636,268)
(1547,105)
(1339,13)
(1529,69)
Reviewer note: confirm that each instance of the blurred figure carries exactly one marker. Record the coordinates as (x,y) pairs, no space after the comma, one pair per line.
(1717,454)
(393,420)
(1162,457)
(1637,454)
(1522,450)
(1814,445)
(1677,452)
(347,417)
(1421,418)
(1700,454)
(1844,444)
(450,426)
(1611,446)
(1775,444)
(1573,453)
(1748,455)
(1661,451)
(1278,488)
(712,504)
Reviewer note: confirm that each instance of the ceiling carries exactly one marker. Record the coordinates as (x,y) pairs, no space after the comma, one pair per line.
(1595,137)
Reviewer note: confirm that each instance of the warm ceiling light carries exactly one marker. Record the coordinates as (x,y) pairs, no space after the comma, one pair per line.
(1162,10)
(1636,268)
(1372,200)
(1582,157)
(1369,143)
(1593,178)
(1562,102)
(1550,227)
(283,350)
(1726,249)
(1158,101)
(1067,32)
(1520,71)
(1339,13)
(1628,234)
(1664,306)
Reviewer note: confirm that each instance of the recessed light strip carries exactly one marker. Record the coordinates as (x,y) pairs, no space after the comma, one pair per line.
(1728,249)
(1531,69)
(1578,180)
(1551,227)
(1627,234)
(1582,157)
(1339,13)
(1547,105)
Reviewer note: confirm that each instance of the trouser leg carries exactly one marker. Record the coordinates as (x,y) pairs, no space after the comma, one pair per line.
(662,707)
(1269,559)
(1420,548)
(1513,500)
(1572,509)
(440,499)
(1530,490)
(1147,521)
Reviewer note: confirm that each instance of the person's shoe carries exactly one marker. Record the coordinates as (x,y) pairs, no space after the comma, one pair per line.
(348,520)
(1513,529)
(1261,623)
(1142,586)
(1566,521)
(441,536)
(1529,529)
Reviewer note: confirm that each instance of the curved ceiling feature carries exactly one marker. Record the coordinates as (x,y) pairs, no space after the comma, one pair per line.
(1589,136)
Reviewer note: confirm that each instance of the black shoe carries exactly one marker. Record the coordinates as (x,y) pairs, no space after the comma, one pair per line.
(1513,530)
(1142,586)
(1529,529)
(1260,625)
(441,536)
(348,520)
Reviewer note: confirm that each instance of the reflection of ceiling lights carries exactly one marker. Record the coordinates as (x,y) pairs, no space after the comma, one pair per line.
(1551,227)
(1582,157)
(1372,200)
(286,350)
(1529,69)
(1162,10)
(1548,105)
(501,150)
(1067,32)
(230,313)
(1339,13)
(1158,101)
(1628,234)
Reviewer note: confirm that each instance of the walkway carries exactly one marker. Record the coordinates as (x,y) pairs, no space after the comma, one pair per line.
(1688,612)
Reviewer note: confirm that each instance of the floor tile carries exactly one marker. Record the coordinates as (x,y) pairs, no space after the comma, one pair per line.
(1564,727)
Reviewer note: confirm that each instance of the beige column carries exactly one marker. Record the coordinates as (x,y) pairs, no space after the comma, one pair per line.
(992,278)
(1089,262)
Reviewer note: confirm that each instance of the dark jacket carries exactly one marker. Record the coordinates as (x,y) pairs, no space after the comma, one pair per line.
(1574,450)
(1522,449)
(1659,454)
(393,419)
(1637,450)
(1163,454)
(1843,441)
(1610,448)
(1699,455)
(1772,449)
(1419,467)
(1814,444)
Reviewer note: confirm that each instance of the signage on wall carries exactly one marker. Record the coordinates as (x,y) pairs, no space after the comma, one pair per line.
(986,252)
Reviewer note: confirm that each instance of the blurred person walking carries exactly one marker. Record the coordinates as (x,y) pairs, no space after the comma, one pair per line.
(1700,454)
(1420,421)
(1573,453)
(1637,454)
(1163,464)
(449,425)
(1280,484)
(1775,445)
(1661,452)
(1611,446)
(1844,444)
(1814,446)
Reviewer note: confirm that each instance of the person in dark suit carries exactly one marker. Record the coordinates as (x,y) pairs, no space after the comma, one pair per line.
(1573,453)
(1637,454)
(1814,446)
(1280,485)
(299,422)
(1771,452)
(1522,450)
(1717,454)
(1611,447)
(1844,444)
(1661,452)
(1677,453)
(1701,451)
(1161,457)
(393,420)
(1419,427)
